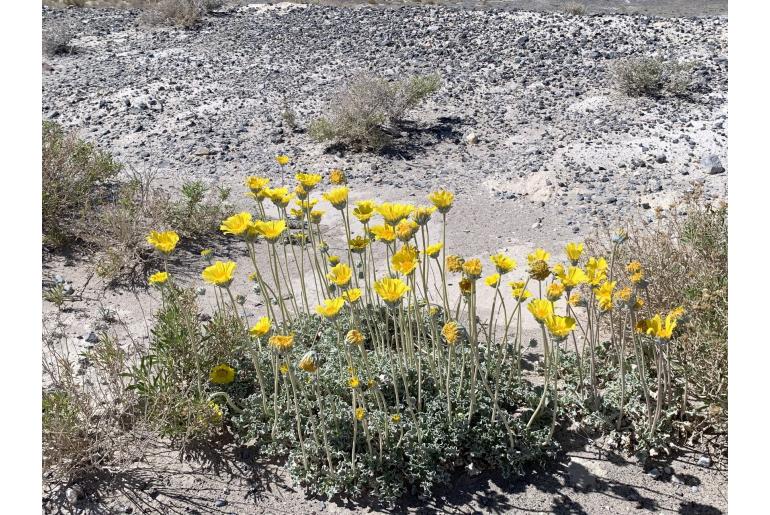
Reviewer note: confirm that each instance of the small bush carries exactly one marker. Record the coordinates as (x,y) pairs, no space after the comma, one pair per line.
(574,8)
(360,113)
(182,13)
(74,177)
(651,76)
(57,38)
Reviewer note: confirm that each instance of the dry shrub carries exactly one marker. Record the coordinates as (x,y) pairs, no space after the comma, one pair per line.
(182,13)
(75,179)
(57,38)
(574,8)
(652,76)
(361,113)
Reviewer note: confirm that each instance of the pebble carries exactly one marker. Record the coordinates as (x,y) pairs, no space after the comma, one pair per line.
(704,461)
(74,494)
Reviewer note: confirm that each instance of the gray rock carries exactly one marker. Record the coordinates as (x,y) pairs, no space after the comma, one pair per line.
(74,494)
(704,461)
(91,337)
(471,138)
(712,165)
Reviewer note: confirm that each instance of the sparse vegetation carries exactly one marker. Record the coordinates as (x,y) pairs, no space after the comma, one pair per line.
(574,8)
(57,38)
(652,76)
(182,13)
(363,114)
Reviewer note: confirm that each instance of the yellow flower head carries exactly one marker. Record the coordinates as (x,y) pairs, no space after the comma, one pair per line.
(340,274)
(337,176)
(434,250)
(422,214)
(282,200)
(364,210)
(383,232)
(472,268)
(554,291)
(405,260)
(575,299)
(352,295)
(158,278)
(454,263)
(574,251)
(360,414)
(518,291)
(282,159)
(573,277)
(271,230)
(451,332)
(164,242)
(391,290)
(308,180)
(216,415)
(354,337)
(658,327)
(540,309)
(559,326)
(338,197)
(596,270)
(333,260)
(396,418)
(236,224)
(220,273)
(623,296)
(284,369)
(297,213)
(443,200)
(358,244)
(316,215)
(300,192)
(503,263)
(539,270)
(306,205)
(538,255)
(604,295)
(309,362)
(493,280)
(222,374)
(330,308)
(256,184)
(261,328)
(281,342)
(405,229)
(353,382)
(393,213)
(206,253)
(466,286)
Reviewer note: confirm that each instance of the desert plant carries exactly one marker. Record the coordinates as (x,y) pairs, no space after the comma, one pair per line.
(360,113)
(574,8)
(75,174)
(182,13)
(651,76)
(57,38)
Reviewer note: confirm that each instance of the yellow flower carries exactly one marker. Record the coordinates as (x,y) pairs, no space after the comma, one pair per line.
(353,382)
(222,374)
(271,230)
(623,296)
(352,295)
(297,213)
(364,210)
(220,273)
(518,291)
(358,244)
(540,309)
(503,263)
(282,199)
(596,270)
(443,200)
(658,327)
(360,413)
(573,277)
(300,192)
(405,260)
(393,213)
(333,260)
(434,250)
(236,224)
(396,418)
(472,268)
(340,274)
(281,343)
(158,278)
(677,312)
(454,263)
(466,286)
(451,332)
(391,290)
(256,184)
(538,255)
(308,180)
(309,362)
(554,291)
(216,413)
(338,197)
(575,299)
(493,280)
(422,214)
(284,369)
(261,328)
(206,253)
(383,232)
(316,215)
(164,242)
(559,326)
(638,304)
(282,159)
(539,270)
(354,337)
(330,308)
(405,229)
(633,267)
(604,295)
(574,251)
(337,176)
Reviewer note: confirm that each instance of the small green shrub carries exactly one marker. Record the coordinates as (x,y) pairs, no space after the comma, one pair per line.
(651,76)
(75,174)
(359,114)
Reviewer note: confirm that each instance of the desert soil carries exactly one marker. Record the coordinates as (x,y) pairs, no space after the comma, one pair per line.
(559,156)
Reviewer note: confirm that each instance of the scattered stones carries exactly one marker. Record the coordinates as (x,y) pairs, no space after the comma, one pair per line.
(704,461)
